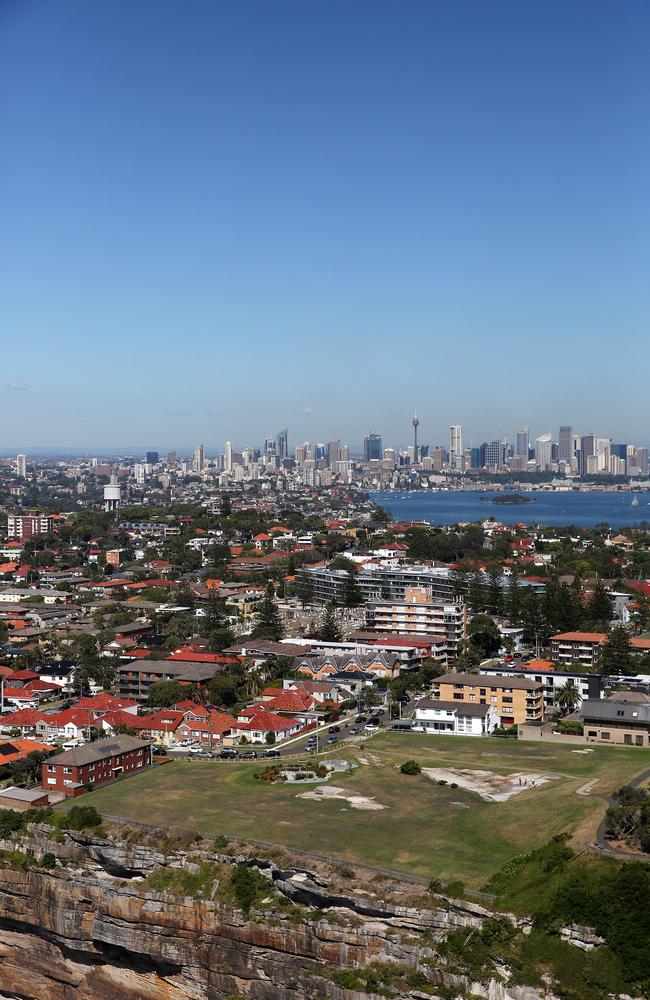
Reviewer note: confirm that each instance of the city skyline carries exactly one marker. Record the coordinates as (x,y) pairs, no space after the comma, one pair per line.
(425,206)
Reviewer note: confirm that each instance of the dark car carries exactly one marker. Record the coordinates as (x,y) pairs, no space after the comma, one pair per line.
(248,755)
(271,753)
(159,751)
(335,729)
(227,754)
(360,718)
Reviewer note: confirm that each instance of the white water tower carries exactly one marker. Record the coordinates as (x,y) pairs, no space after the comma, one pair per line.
(112,495)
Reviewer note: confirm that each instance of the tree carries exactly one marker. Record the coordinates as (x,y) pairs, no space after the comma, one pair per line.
(164,693)
(269,624)
(600,609)
(476,592)
(270,738)
(329,629)
(617,655)
(226,506)
(352,596)
(484,635)
(567,697)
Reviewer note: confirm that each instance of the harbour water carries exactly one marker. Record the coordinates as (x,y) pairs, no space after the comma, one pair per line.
(583,509)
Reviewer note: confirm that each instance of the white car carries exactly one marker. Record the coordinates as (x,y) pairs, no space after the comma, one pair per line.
(185,743)
(370,728)
(197,749)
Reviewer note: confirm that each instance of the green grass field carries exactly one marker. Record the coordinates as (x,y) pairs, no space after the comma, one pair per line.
(425,828)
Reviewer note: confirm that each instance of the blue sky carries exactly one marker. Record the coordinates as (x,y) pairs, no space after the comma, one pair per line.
(219,219)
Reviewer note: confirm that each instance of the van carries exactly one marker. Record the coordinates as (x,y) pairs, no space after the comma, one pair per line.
(72,745)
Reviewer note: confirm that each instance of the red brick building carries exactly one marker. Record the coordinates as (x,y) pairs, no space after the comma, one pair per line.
(95,764)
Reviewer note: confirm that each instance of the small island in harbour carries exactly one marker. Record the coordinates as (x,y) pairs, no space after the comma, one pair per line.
(509,498)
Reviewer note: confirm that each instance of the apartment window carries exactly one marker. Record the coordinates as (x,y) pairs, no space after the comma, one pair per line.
(507,701)
(493,698)
(482,691)
(67,770)
(605,736)
(51,767)
(472,697)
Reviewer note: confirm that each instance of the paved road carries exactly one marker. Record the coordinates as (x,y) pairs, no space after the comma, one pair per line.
(298,747)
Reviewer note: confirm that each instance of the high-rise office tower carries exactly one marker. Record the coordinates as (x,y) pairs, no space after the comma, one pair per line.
(21,465)
(333,452)
(456,446)
(588,449)
(152,457)
(372,447)
(522,443)
(543,451)
(282,444)
(565,450)
(227,457)
(303,453)
(494,455)
(198,460)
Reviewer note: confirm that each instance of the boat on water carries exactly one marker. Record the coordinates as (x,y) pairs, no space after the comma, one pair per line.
(635,501)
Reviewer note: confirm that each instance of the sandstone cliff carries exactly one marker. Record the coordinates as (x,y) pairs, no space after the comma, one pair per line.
(91,928)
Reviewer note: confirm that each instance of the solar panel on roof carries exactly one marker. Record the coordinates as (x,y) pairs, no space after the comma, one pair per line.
(109,746)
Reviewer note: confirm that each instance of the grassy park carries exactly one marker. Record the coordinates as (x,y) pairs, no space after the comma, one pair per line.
(424,828)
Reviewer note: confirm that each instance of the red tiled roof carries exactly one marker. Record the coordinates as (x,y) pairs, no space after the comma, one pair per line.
(259,718)
(24,717)
(596,637)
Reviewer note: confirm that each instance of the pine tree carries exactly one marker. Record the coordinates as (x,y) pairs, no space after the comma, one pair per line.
(600,609)
(269,624)
(617,655)
(352,595)
(476,592)
(329,630)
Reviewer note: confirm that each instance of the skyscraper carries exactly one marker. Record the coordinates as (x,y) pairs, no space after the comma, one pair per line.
(494,455)
(543,451)
(372,447)
(152,457)
(522,443)
(565,452)
(227,457)
(333,452)
(282,444)
(198,460)
(456,446)
(21,465)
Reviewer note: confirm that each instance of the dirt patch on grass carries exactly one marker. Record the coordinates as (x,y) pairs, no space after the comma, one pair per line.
(490,786)
(329,792)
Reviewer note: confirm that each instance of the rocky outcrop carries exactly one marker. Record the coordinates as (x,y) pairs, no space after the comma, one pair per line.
(80,933)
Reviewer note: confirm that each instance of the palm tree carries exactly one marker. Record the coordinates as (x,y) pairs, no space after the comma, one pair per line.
(567,698)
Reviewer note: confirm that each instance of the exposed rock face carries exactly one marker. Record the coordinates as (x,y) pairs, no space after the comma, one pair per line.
(88,936)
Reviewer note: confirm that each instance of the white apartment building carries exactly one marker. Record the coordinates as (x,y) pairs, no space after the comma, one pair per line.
(452,718)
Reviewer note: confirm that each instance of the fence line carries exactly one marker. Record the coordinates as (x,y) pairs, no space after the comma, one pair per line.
(312,855)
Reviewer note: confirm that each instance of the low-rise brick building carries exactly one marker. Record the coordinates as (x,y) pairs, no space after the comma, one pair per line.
(95,764)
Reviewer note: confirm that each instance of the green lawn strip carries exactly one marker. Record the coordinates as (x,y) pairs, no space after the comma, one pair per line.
(426,828)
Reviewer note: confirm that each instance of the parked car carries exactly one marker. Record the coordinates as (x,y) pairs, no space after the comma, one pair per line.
(185,743)
(371,728)
(159,751)
(354,731)
(205,755)
(271,753)
(335,729)
(197,749)
(227,754)
(248,755)
(360,718)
